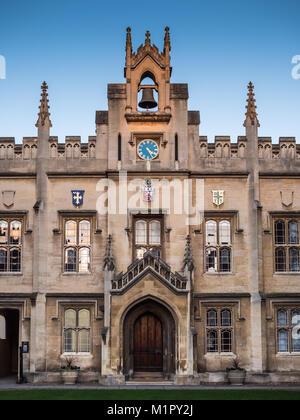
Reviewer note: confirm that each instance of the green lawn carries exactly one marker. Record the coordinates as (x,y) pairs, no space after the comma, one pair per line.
(163,395)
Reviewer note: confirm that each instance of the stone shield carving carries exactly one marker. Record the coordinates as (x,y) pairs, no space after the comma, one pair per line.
(8,198)
(287,198)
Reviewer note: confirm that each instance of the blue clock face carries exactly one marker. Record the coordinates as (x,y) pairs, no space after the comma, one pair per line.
(148,150)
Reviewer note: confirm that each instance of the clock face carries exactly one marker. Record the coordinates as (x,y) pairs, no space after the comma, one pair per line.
(148,150)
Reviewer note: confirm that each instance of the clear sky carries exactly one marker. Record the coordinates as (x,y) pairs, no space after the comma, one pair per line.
(78,46)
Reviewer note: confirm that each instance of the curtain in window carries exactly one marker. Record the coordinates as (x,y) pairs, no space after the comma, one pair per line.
(225,234)
(141,232)
(15,233)
(293,233)
(71,233)
(84,260)
(3,232)
(84,233)
(155,232)
(294,259)
(211,232)
(211,260)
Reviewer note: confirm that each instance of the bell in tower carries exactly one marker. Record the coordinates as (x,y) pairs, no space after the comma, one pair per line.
(148,101)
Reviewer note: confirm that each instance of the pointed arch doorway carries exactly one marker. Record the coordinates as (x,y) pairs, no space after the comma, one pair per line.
(149,340)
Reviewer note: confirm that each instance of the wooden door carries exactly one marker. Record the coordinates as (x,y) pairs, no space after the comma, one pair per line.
(148,344)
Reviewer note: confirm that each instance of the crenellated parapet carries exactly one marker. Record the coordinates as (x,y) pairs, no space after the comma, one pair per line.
(27,150)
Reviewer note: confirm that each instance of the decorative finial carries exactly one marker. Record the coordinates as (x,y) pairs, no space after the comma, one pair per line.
(44,114)
(128,40)
(148,41)
(167,39)
(109,262)
(251,114)
(188,256)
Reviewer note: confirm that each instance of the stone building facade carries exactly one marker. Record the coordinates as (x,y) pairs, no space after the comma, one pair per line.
(97,264)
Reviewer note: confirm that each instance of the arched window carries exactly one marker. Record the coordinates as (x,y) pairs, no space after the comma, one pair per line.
(15,233)
(2,328)
(225,233)
(211,260)
(3,232)
(155,233)
(141,232)
(279,232)
(294,259)
(3,260)
(71,260)
(211,232)
(280,260)
(212,342)
(84,232)
(282,318)
(226,318)
(15,260)
(225,260)
(78,246)
(283,341)
(212,318)
(226,341)
(293,233)
(295,331)
(77,335)
(71,233)
(84,260)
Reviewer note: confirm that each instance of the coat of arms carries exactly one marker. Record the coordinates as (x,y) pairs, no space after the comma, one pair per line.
(8,198)
(148,190)
(77,197)
(218,197)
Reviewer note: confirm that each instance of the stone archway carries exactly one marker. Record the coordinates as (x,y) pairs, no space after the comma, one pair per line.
(9,342)
(149,334)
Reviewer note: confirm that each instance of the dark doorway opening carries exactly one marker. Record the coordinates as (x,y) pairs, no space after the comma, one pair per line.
(9,342)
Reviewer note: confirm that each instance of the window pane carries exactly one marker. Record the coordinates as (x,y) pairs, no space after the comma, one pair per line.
(141,233)
(15,233)
(280,260)
(212,342)
(226,342)
(212,318)
(211,232)
(225,234)
(211,260)
(70,341)
(3,233)
(294,259)
(3,260)
(84,318)
(71,257)
(140,252)
(70,319)
(282,318)
(225,263)
(155,230)
(226,318)
(296,331)
(84,260)
(293,233)
(84,341)
(283,341)
(71,233)
(84,233)
(280,232)
(15,260)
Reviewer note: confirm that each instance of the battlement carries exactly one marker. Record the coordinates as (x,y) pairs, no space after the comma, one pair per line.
(224,148)
(73,148)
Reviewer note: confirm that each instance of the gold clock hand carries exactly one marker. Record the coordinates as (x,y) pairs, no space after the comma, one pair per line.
(151,153)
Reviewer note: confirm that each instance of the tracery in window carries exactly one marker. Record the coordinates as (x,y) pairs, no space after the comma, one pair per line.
(218,256)
(10,246)
(77,331)
(77,246)
(219,331)
(148,236)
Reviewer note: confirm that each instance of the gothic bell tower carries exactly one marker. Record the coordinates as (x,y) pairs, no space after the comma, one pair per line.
(148,63)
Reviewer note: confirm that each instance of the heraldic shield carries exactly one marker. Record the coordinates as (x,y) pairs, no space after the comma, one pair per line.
(8,198)
(77,197)
(218,197)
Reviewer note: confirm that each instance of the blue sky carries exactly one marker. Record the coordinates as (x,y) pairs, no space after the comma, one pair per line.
(217,47)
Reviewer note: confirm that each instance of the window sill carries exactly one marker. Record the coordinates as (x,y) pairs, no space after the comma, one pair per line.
(296,354)
(228,355)
(76,274)
(217,273)
(288,273)
(87,355)
(8,274)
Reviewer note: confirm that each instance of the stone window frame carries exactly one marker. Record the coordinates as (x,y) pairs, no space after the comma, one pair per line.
(77,308)
(218,247)
(286,246)
(288,328)
(11,247)
(220,329)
